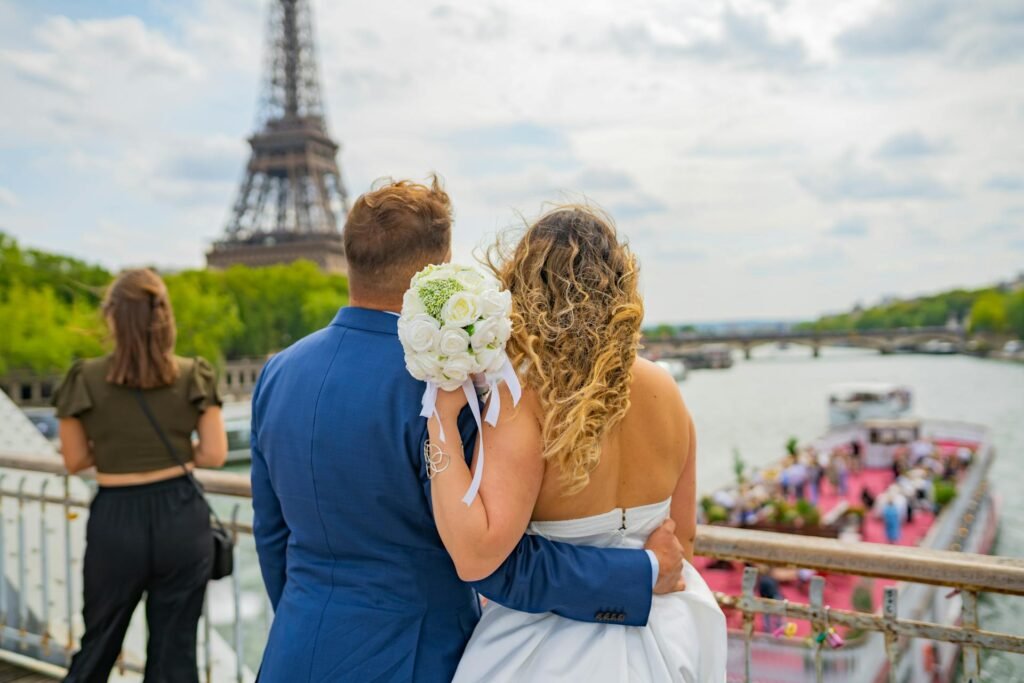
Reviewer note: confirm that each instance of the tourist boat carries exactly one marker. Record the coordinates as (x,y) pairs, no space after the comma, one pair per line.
(238,425)
(854,402)
(673,366)
(870,436)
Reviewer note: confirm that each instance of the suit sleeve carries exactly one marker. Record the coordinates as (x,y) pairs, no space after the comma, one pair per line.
(607,585)
(269,528)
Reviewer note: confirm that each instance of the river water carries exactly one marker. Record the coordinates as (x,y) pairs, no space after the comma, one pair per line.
(757,404)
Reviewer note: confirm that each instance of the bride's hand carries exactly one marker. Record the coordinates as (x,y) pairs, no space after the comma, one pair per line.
(450,403)
(669,551)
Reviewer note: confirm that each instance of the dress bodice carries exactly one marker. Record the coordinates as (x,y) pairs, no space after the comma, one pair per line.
(617,528)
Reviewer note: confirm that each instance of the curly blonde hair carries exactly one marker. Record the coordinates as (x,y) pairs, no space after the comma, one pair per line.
(576,316)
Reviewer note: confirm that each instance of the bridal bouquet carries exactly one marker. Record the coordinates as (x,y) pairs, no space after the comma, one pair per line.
(453,327)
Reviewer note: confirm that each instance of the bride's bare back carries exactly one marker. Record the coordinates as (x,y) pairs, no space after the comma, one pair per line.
(643,459)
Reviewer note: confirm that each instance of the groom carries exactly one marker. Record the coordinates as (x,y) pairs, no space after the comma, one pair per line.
(361,585)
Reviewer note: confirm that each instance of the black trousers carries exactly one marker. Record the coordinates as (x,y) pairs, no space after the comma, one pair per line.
(152,540)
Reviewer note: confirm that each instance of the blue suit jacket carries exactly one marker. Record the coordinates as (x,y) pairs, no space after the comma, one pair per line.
(362,587)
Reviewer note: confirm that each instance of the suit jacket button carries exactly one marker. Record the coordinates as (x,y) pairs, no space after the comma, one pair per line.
(621,618)
(599,616)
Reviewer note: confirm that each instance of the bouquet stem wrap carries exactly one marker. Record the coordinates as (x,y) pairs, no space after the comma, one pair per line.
(429,403)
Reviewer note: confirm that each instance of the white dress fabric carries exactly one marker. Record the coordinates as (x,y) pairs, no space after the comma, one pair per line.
(683,641)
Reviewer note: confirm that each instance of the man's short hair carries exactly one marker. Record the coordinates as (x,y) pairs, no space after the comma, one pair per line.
(395,230)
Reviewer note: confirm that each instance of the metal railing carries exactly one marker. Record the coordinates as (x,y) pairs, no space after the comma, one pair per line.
(43,512)
(38,614)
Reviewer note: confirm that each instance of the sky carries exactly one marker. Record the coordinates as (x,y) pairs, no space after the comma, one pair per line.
(772,159)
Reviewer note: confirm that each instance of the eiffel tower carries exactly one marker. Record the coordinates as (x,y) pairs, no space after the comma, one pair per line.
(292,194)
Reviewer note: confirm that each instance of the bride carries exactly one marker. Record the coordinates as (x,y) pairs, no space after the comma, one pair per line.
(599,452)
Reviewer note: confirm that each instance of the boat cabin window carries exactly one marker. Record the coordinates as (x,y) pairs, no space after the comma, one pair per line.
(889,435)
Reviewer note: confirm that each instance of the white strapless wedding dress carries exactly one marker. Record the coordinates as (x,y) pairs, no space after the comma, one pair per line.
(684,640)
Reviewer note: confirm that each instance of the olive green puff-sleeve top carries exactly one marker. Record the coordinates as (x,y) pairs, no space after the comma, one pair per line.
(123,440)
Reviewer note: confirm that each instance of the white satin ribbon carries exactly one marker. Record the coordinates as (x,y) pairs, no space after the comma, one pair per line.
(508,375)
(429,409)
(429,404)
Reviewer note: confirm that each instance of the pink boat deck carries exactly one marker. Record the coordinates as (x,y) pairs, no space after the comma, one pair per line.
(839,589)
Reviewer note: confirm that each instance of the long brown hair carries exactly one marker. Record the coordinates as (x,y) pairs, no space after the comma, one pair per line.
(138,310)
(576,316)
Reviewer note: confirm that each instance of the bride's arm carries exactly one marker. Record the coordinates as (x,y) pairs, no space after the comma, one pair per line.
(684,499)
(479,537)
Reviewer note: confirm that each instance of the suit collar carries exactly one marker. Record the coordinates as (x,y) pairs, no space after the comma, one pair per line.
(367,319)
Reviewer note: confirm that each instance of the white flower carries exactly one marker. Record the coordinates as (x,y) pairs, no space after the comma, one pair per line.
(419,333)
(503,329)
(496,363)
(461,309)
(412,304)
(453,341)
(423,366)
(455,370)
(495,303)
(486,357)
(486,334)
(470,278)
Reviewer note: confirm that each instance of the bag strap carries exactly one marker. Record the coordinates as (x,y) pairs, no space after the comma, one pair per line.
(174,453)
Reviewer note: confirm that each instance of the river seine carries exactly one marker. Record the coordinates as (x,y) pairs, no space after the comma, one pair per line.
(756,405)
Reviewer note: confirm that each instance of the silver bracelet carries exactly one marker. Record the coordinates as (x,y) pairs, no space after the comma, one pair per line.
(436,459)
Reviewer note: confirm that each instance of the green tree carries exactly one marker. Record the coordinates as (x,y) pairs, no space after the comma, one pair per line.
(49,308)
(206,316)
(1015,313)
(988,313)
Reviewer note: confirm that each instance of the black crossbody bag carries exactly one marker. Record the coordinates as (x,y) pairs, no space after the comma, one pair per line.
(223,543)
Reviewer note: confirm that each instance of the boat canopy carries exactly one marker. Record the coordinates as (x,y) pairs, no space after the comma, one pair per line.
(866,391)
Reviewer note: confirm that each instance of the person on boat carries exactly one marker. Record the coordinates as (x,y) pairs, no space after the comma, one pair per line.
(795,477)
(855,453)
(816,476)
(768,588)
(842,471)
(892,519)
(919,450)
(964,455)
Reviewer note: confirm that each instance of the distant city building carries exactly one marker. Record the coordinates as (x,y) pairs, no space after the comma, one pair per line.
(292,196)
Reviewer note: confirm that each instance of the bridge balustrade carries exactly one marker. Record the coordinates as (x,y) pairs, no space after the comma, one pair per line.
(43,513)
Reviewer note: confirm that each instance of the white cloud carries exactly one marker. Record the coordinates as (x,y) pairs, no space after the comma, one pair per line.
(8,198)
(740,145)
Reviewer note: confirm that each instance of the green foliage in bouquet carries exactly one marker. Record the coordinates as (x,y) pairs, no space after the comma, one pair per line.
(435,294)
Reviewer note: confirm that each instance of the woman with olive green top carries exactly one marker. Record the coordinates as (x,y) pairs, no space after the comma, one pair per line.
(149,529)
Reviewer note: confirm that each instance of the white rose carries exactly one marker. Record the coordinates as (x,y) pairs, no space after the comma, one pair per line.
(423,366)
(495,303)
(419,333)
(503,329)
(412,304)
(485,334)
(486,357)
(470,278)
(496,363)
(455,370)
(461,309)
(453,341)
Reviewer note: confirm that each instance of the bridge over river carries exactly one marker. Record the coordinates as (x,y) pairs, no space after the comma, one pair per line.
(885,341)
